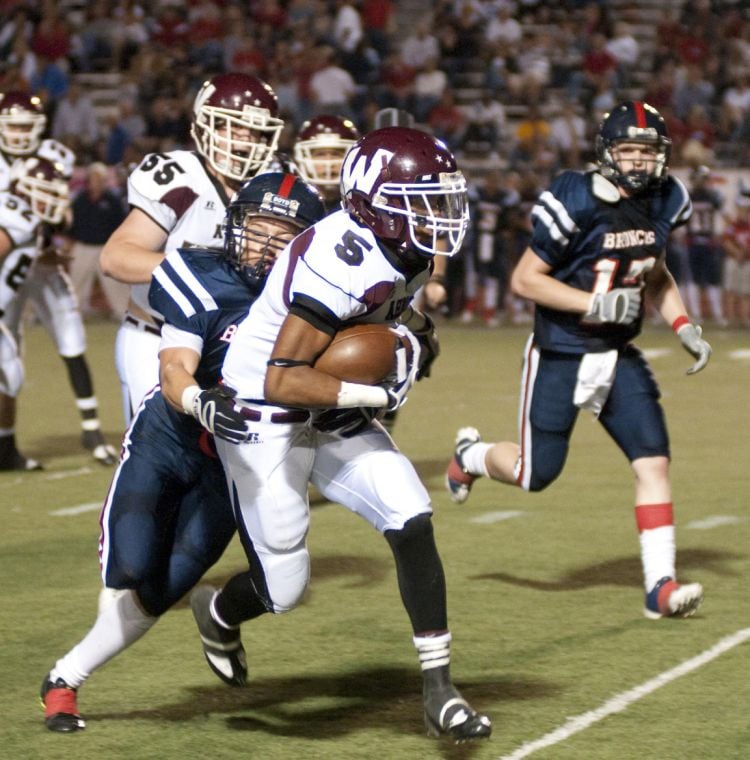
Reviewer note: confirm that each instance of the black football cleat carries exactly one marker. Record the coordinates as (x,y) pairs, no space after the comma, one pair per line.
(93,441)
(222,647)
(447,713)
(60,708)
(17,462)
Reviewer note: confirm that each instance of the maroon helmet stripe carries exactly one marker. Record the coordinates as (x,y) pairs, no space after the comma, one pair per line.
(640,115)
(286,185)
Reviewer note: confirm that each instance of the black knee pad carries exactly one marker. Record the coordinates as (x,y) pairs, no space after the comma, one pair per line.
(414,529)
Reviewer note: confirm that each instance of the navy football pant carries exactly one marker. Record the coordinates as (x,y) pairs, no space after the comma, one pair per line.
(167,518)
(632,415)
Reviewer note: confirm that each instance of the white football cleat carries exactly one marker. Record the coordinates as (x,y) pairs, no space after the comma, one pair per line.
(671,599)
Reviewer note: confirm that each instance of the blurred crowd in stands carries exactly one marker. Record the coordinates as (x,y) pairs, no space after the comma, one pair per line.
(459,69)
(516,86)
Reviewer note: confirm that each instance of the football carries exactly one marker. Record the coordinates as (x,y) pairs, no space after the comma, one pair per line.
(360,354)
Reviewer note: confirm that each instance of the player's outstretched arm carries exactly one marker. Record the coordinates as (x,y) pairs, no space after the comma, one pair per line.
(134,249)
(662,289)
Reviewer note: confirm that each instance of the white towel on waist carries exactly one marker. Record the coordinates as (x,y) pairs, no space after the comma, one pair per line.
(596,374)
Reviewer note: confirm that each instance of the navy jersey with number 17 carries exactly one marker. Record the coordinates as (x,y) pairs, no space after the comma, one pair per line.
(595,240)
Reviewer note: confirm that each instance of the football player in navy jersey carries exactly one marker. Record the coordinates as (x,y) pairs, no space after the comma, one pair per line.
(597,245)
(168,517)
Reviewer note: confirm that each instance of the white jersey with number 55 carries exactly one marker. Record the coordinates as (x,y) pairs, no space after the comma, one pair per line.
(177,192)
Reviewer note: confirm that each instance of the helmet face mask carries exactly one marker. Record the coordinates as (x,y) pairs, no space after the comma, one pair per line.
(265,214)
(22,122)
(236,126)
(628,126)
(42,185)
(405,186)
(319,151)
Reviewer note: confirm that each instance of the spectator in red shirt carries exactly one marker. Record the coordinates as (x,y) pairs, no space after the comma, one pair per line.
(447,121)
(268,12)
(598,71)
(377,20)
(247,58)
(170,28)
(693,46)
(51,39)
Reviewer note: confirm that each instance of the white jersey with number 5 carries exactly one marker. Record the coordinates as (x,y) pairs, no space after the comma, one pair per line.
(179,194)
(341,275)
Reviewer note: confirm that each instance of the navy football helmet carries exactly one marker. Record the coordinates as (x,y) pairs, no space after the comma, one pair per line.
(251,246)
(633,122)
(406,187)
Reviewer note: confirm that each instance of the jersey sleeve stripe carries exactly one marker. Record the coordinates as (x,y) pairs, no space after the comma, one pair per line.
(552,214)
(173,337)
(192,283)
(174,292)
(685,209)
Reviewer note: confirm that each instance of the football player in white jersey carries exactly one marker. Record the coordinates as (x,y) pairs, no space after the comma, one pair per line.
(38,193)
(178,200)
(404,201)
(319,150)
(48,287)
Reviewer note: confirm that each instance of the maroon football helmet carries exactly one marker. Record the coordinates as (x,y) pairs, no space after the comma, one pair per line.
(236,125)
(321,145)
(22,121)
(406,187)
(42,184)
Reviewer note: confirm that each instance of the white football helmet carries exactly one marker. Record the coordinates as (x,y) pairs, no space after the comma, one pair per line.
(236,125)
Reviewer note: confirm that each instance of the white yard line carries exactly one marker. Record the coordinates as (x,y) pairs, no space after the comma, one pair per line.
(714,521)
(621,701)
(94,506)
(492,517)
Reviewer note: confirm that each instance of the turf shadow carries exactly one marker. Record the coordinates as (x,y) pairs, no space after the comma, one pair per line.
(621,571)
(351,702)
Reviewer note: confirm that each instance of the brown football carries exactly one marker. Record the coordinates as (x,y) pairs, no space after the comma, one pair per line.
(360,354)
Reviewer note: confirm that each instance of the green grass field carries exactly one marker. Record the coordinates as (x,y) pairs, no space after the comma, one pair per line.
(545,591)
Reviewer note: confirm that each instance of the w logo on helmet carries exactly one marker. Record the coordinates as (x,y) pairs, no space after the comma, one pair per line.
(356,174)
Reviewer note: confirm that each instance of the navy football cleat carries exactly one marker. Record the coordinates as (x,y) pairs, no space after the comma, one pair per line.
(222,647)
(60,708)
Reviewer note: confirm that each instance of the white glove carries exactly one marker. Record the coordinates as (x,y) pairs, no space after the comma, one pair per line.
(407,368)
(621,306)
(690,337)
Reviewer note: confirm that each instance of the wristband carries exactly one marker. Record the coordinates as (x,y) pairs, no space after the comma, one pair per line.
(188,399)
(679,322)
(358,394)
